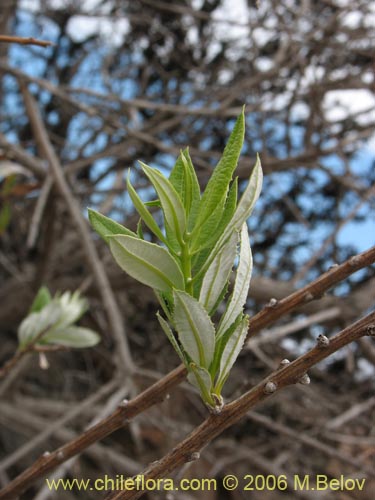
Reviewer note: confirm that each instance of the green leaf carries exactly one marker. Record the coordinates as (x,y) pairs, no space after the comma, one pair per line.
(73,307)
(195,190)
(218,184)
(140,230)
(174,212)
(242,212)
(194,327)
(37,322)
(171,337)
(146,262)
(201,379)
(203,235)
(217,274)
(221,343)
(230,205)
(143,212)
(184,180)
(249,196)
(241,284)
(231,351)
(106,227)
(204,251)
(72,336)
(153,203)
(43,297)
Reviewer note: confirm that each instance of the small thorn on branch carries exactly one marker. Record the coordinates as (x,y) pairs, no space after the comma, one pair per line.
(354,261)
(322,341)
(194,456)
(304,380)
(272,303)
(270,387)
(308,297)
(333,266)
(284,362)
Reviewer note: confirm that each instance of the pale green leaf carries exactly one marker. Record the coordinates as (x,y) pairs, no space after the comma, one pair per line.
(146,262)
(72,336)
(194,327)
(249,197)
(200,378)
(171,337)
(73,306)
(143,212)
(37,323)
(241,284)
(173,209)
(218,273)
(221,343)
(231,351)
(106,227)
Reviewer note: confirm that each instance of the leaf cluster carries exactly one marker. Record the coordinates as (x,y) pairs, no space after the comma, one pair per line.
(51,322)
(189,270)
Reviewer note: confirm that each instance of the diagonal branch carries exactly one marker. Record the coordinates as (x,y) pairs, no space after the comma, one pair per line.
(24,41)
(189,449)
(158,391)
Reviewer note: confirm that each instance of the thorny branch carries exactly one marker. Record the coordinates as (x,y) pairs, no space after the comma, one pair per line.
(158,391)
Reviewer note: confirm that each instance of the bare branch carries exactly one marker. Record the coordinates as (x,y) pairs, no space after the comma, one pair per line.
(114,316)
(158,391)
(233,412)
(24,41)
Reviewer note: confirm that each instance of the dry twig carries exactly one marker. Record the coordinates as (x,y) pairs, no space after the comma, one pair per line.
(158,391)
(190,448)
(24,41)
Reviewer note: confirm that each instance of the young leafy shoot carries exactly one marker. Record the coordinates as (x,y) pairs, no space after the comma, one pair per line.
(190,271)
(51,322)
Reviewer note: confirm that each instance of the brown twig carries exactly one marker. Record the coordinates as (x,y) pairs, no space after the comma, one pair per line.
(309,441)
(158,391)
(11,363)
(314,290)
(124,359)
(126,411)
(20,353)
(190,448)
(24,41)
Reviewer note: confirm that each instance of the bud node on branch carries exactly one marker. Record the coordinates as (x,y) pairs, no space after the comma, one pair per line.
(322,341)
(270,387)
